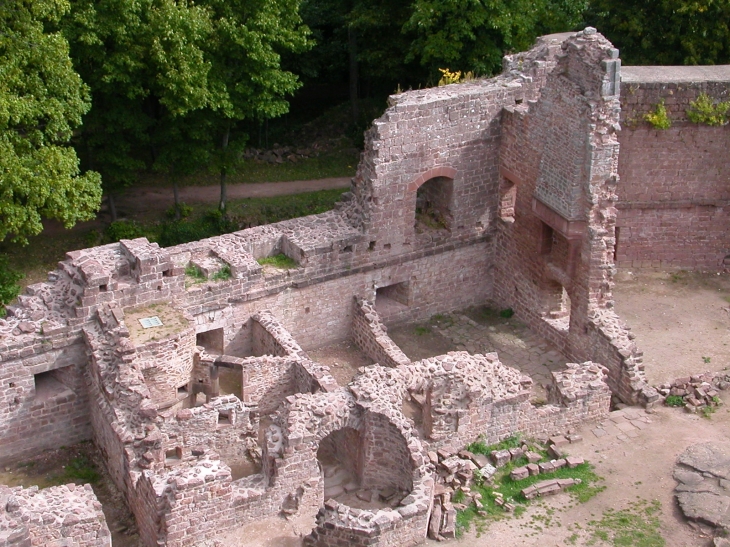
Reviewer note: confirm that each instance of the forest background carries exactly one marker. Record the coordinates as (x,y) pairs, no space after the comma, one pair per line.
(101,97)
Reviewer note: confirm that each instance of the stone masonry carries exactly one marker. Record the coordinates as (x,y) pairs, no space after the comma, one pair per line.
(200,394)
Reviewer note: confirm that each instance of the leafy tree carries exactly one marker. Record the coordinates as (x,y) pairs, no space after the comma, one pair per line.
(665,32)
(473,35)
(42,100)
(246,80)
(144,63)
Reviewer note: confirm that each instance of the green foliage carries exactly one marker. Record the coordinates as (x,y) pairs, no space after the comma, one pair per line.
(674,400)
(194,272)
(224,274)
(636,526)
(125,229)
(707,411)
(506,313)
(659,118)
(511,491)
(706,360)
(42,101)
(474,35)
(9,287)
(480,447)
(705,110)
(79,469)
(665,32)
(280,261)
(421,330)
(183,209)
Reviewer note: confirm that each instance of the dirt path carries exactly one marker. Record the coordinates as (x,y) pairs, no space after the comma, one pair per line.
(140,200)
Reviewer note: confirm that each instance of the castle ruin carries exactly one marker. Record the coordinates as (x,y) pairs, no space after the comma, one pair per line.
(504,190)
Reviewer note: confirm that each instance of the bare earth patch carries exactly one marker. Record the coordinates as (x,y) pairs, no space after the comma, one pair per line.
(343,358)
(681,321)
(172,322)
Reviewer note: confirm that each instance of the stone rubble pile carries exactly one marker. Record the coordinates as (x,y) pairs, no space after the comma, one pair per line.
(697,391)
(459,472)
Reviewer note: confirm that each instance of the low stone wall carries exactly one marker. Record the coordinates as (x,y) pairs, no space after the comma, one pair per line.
(269,337)
(59,516)
(469,396)
(268,380)
(370,335)
(339,525)
(609,342)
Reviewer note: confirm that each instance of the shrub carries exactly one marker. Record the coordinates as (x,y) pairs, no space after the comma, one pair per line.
(659,118)
(9,287)
(124,229)
(704,110)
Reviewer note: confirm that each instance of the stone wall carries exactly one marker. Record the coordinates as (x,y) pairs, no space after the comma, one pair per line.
(673,195)
(555,263)
(59,516)
(370,335)
(43,401)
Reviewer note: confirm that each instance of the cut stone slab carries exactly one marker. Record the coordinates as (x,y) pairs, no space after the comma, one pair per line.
(702,472)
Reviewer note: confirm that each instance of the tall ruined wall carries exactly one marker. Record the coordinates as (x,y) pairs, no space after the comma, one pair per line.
(674,197)
(555,246)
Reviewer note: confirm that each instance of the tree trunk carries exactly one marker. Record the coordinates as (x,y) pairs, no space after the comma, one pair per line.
(176,194)
(224,169)
(112,206)
(352,50)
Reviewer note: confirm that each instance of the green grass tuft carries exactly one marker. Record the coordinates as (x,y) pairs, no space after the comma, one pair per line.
(636,526)
(278,261)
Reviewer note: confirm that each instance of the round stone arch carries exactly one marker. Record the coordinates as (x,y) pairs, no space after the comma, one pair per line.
(431,196)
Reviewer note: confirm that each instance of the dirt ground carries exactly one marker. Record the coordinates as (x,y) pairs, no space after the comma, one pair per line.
(681,320)
(682,323)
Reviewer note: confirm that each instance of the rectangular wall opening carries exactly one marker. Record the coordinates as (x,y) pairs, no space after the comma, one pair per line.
(392,299)
(51,383)
(212,341)
(546,240)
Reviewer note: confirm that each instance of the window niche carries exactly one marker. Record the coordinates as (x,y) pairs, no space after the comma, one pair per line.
(433,205)
(393,300)
(212,341)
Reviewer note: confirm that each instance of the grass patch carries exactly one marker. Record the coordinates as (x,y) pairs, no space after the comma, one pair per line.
(223,274)
(511,490)
(195,273)
(421,330)
(674,400)
(636,526)
(280,261)
(79,469)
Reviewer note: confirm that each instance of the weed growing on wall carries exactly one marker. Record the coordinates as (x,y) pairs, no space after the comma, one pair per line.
(223,274)
(280,261)
(448,77)
(704,110)
(659,118)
